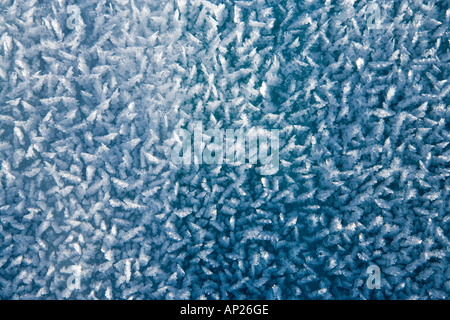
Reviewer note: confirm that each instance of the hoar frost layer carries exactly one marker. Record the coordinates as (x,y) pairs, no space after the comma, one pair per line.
(87,114)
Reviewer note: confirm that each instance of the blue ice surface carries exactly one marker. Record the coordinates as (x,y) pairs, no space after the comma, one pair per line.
(92,207)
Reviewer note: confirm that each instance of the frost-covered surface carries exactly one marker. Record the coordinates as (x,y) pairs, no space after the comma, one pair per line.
(86,122)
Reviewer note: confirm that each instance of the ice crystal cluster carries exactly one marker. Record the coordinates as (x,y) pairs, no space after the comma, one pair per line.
(92,207)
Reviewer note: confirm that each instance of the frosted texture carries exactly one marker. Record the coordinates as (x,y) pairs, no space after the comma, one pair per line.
(91,207)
